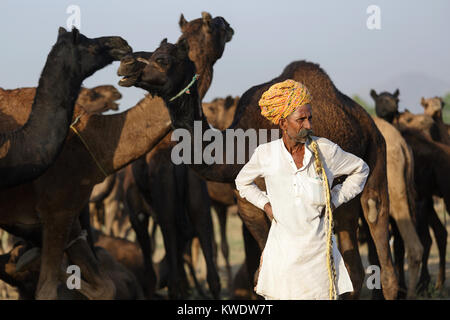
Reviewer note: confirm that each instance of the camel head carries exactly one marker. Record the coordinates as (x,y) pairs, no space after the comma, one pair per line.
(99,99)
(220,111)
(432,106)
(386,104)
(206,36)
(88,55)
(167,71)
(421,122)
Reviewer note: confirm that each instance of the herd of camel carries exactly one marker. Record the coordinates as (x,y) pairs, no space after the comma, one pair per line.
(66,167)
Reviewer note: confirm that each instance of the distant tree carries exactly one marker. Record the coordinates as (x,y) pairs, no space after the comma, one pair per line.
(446,110)
(369,108)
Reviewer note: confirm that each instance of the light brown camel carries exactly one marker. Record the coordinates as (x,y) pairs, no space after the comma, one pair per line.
(26,152)
(99,99)
(163,184)
(93,101)
(402,197)
(168,70)
(433,108)
(432,170)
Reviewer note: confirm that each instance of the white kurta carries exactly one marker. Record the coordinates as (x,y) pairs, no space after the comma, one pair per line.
(294,259)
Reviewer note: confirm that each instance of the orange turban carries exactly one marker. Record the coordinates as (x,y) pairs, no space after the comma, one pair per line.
(282,99)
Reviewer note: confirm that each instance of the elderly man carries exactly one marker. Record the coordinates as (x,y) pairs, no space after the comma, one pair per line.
(300,259)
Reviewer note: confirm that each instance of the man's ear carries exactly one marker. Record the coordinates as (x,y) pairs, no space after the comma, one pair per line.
(282,124)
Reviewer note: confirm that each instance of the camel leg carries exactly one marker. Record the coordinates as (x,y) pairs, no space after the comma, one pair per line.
(96,284)
(200,215)
(399,211)
(440,234)
(377,294)
(139,223)
(189,262)
(399,260)
(168,208)
(346,225)
(425,238)
(378,221)
(56,227)
(252,258)
(221,212)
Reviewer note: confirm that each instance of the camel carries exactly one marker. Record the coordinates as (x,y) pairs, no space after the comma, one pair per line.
(433,108)
(92,100)
(168,70)
(220,114)
(402,194)
(126,284)
(52,205)
(99,99)
(27,152)
(431,170)
(160,181)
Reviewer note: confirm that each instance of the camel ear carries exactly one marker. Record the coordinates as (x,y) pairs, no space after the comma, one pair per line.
(182,22)
(183,48)
(228,102)
(396,93)
(373,94)
(422,102)
(164,41)
(61,31)
(75,35)
(206,17)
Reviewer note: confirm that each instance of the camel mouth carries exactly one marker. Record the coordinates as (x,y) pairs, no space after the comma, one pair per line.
(128,81)
(119,54)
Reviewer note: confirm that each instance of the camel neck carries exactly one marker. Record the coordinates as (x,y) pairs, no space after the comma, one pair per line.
(55,99)
(37,144)
(117,140)
(205,70)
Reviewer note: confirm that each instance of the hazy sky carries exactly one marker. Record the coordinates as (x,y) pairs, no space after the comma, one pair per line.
(411,50)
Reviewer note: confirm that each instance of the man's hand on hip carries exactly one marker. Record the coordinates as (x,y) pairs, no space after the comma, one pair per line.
(268,210)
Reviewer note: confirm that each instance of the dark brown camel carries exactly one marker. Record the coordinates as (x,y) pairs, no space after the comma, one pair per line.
(220,114)
(114,141)
(337,117)
(431,171)
(27,152)
(125,282)
(161,182)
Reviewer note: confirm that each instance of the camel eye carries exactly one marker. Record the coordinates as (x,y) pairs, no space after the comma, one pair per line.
(162,61)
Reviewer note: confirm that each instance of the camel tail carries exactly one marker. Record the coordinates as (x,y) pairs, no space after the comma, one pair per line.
(409,176)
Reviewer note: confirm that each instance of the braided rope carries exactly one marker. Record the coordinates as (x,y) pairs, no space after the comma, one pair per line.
(72,126)
(320,170)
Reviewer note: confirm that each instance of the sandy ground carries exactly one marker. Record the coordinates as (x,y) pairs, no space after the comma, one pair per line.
(234,232)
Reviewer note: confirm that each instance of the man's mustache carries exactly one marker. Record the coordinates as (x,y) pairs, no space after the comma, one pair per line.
(303,133)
